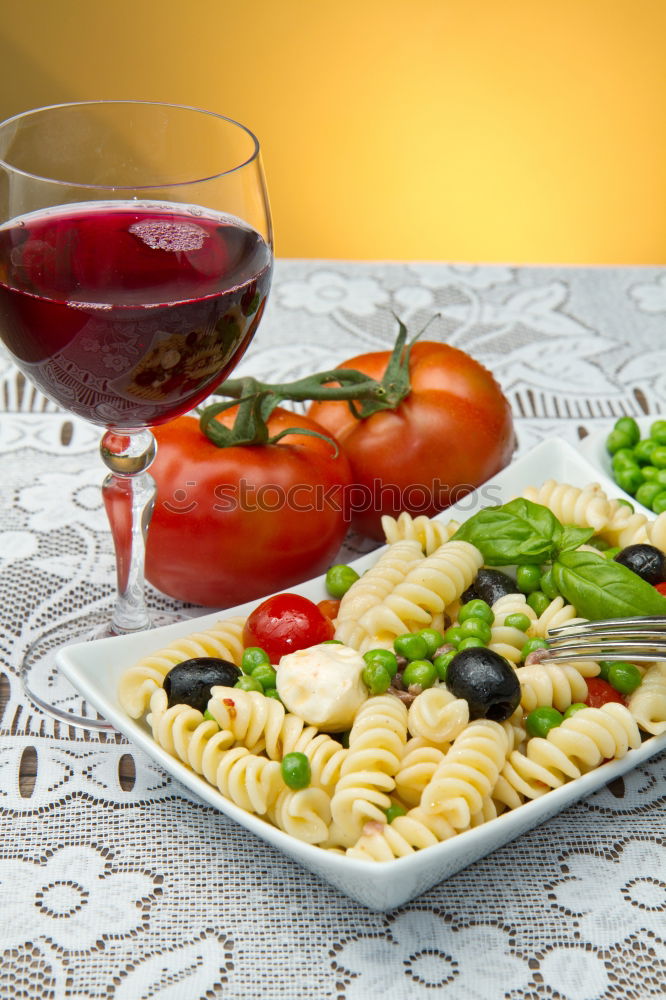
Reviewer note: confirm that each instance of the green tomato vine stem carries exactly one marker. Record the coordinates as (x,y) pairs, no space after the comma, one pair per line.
(256,400)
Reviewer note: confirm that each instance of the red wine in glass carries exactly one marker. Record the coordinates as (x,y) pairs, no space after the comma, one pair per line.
(128,313)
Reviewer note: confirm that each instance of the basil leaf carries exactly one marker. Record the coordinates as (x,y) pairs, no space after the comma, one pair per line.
(517,533)
(572,536)
(602,588)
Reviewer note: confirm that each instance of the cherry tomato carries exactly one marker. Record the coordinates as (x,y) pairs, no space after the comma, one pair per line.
(661,587)
(284,623)
(450,434)
(599,692)
(234,524)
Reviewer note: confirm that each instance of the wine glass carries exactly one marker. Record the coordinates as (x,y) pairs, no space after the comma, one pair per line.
(135,263)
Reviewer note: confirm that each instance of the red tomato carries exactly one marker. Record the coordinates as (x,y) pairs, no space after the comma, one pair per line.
(661,587)
(599,692)
(284,623)
(450,434)
(233,524)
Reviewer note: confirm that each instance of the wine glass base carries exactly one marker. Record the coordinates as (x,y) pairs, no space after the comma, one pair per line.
(47,687)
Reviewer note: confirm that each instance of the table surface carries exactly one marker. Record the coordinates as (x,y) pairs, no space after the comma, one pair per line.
(118,884)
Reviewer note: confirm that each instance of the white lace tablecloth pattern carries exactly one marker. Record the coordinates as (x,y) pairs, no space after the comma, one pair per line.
(137,890)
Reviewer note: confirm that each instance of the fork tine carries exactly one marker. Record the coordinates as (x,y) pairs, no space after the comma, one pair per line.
(606,654)
(639,622)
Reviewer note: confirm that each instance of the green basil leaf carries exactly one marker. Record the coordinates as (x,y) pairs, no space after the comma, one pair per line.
(601,588)
(517,533)
(572,536)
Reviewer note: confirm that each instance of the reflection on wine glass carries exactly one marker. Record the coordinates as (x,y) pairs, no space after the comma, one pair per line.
(135,263)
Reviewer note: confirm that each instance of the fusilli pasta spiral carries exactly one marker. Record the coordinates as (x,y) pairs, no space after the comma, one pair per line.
(648,702)
(428,588)
(552,684)
(437,715)
(588,507)
(376,746)
(429,532)
(468,773)
(372,588)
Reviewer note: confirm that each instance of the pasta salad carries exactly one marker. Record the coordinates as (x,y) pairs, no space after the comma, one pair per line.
(422,702)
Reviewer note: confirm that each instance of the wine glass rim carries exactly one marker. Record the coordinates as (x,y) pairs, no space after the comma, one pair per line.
(134,187)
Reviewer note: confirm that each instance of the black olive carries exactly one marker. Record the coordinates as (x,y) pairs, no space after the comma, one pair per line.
(645,561)
(189,682)
(486,681)
(489,586)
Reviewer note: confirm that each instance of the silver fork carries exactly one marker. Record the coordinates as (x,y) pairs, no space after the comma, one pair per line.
(641,639)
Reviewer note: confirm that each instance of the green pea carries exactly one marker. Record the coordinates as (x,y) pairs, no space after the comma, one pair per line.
(339,579)
(273,693)
(625,677)
(265,674)
(421,672)
(476,609)
(411,645)
(519,621)
(332,642)
(647,491)
(630,479)
(441,663)
(385,657)
(661,474)
(624,458)
(209,717)
(547,584)
(659,503)
(453,635)
(253,656)
(433,638)
(651,472)
(643,451)
(296,772)
(658,431)
(527,578)
(538,602)
(598,543)
(395,809)
(531,645)
(540,721)
(471,641)
(572,709)
(628,426)
(659,456)
(376,678)
(617,440)
(475,627)
(248,683)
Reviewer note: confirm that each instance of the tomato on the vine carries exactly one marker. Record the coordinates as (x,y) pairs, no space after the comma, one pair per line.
(284,623)
(235,523)
(600,692)
(452,432)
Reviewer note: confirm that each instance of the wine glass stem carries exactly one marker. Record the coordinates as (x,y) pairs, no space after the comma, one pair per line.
(129,497)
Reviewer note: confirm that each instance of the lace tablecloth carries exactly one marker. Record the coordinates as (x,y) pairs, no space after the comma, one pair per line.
(131,889)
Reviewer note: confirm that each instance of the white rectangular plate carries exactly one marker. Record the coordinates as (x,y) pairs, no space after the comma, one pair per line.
(95,668)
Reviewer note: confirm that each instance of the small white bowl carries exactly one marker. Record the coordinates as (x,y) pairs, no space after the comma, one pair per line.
(95,668)
(593,447)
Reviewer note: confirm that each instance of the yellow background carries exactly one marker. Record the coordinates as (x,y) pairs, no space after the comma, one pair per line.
(466,130)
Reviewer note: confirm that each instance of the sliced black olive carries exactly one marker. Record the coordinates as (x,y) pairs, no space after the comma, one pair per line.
(489,586)
(189,682)
(646,561)
(486,681)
